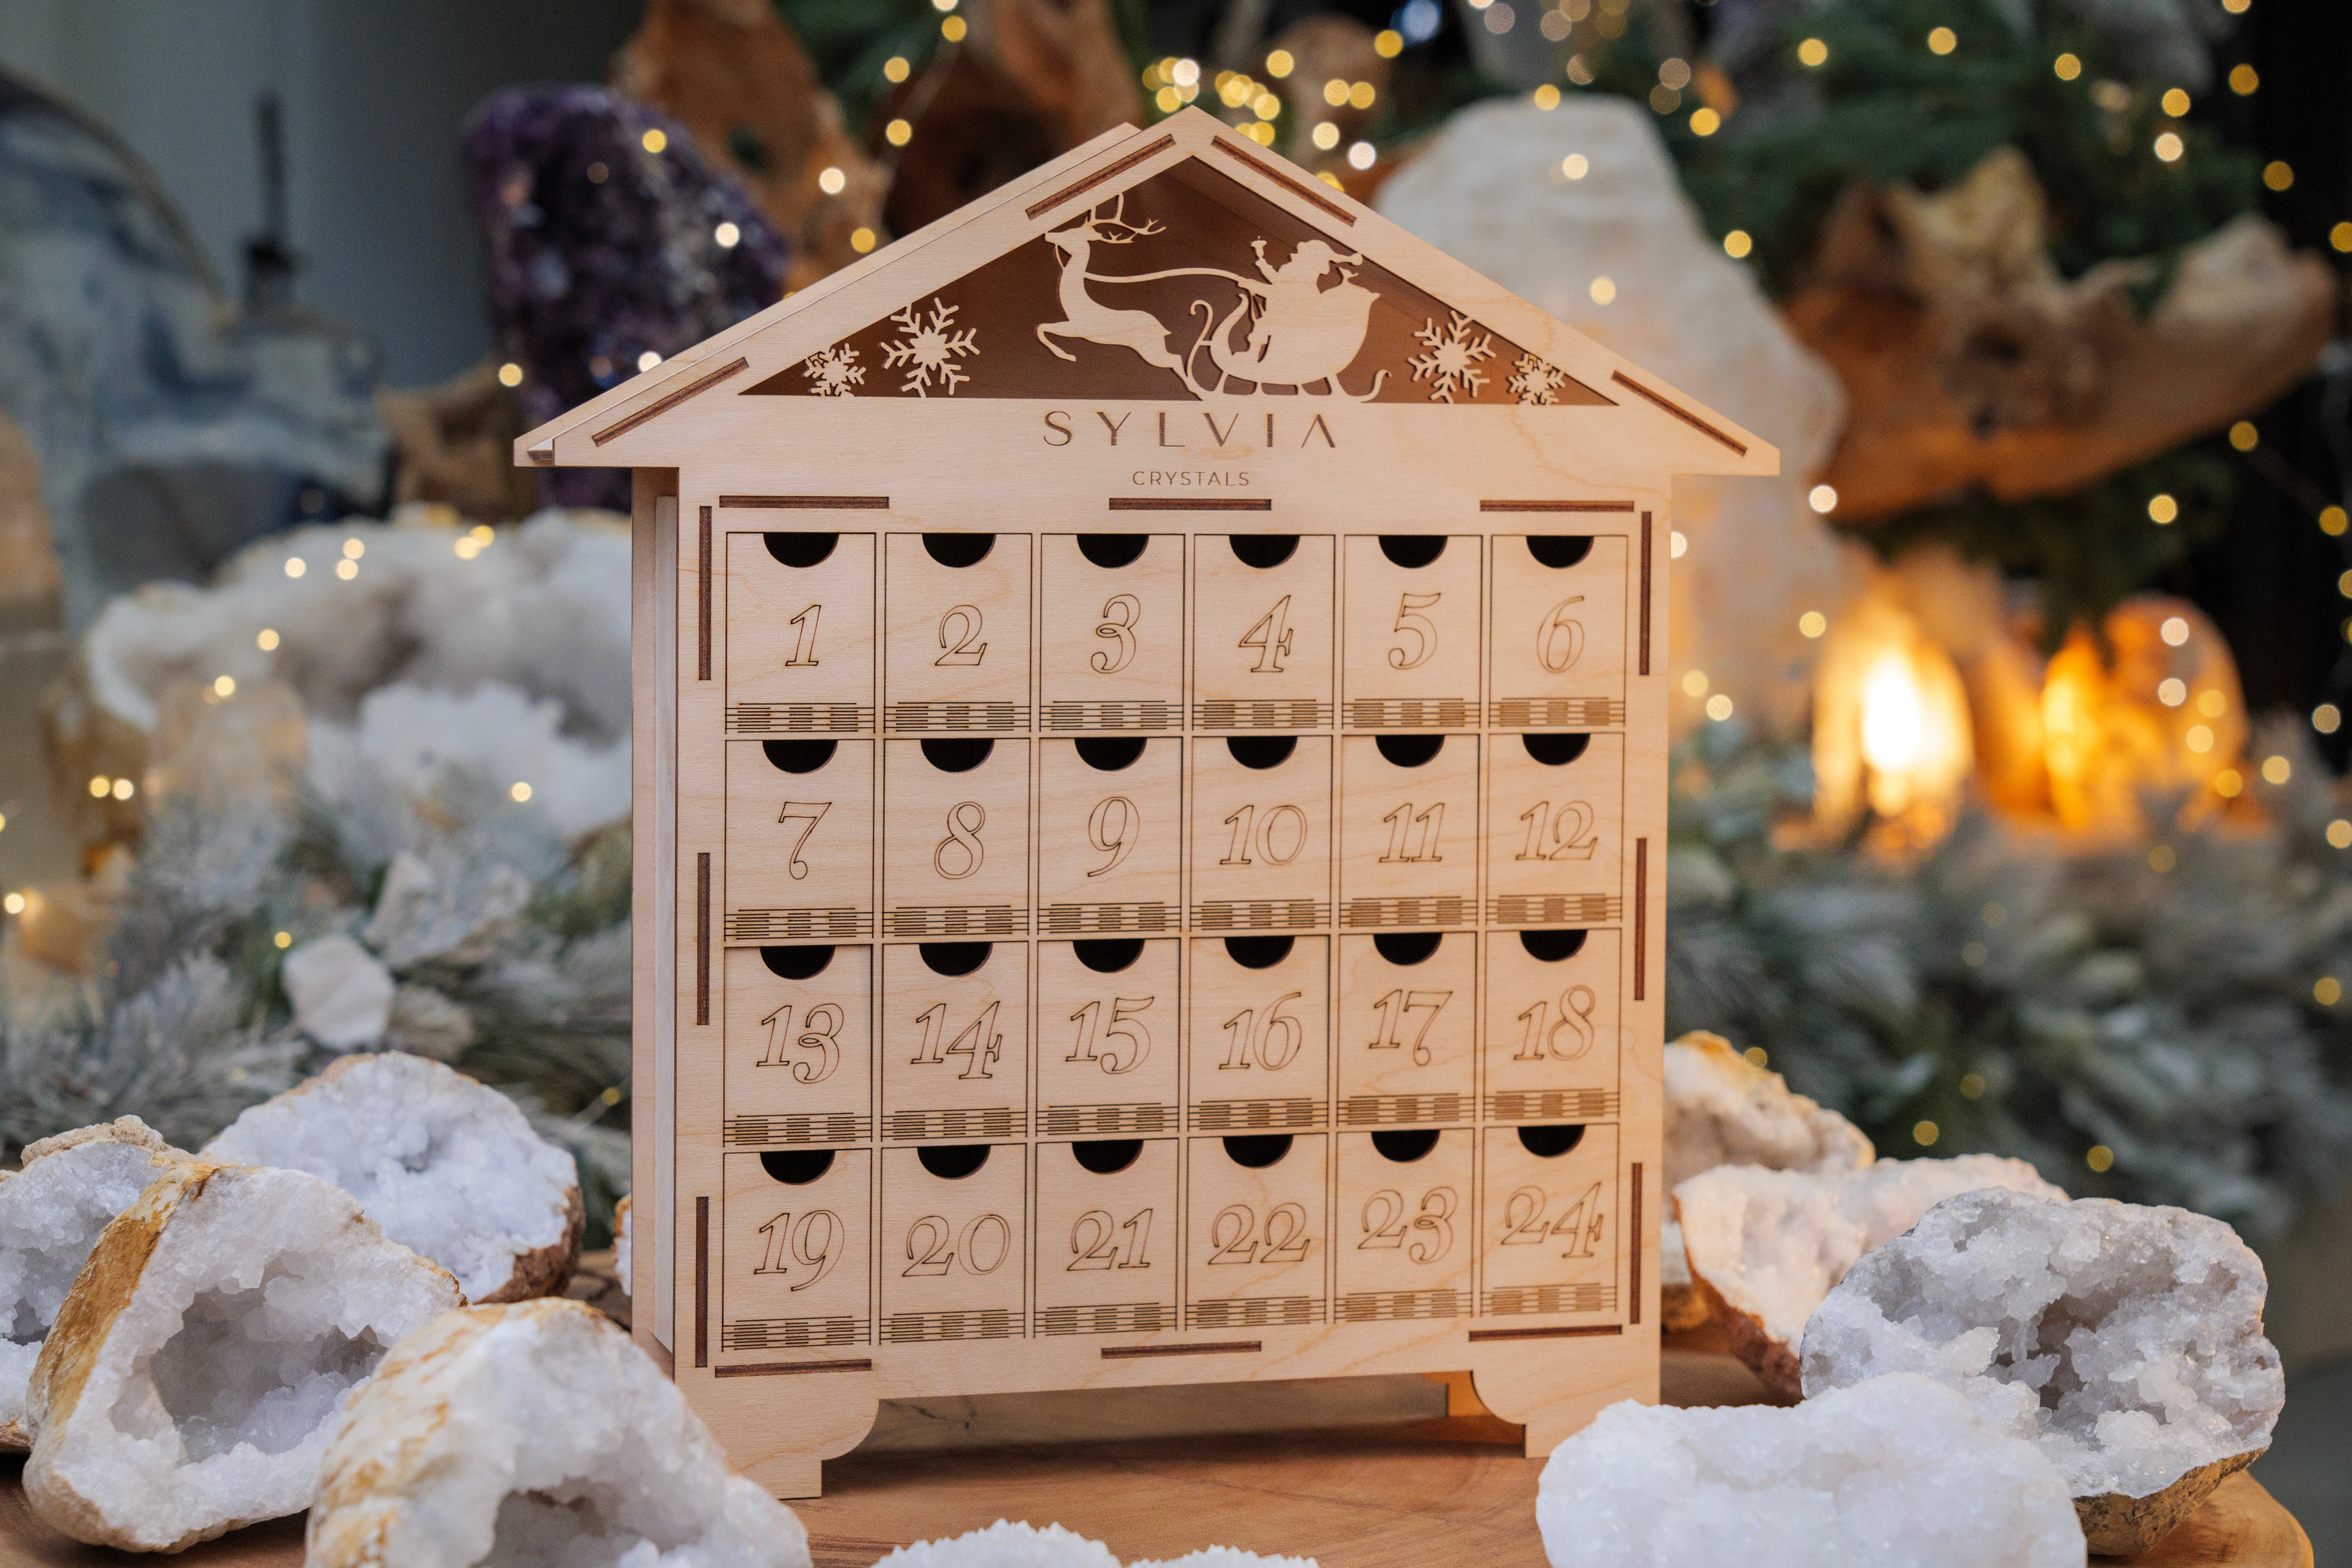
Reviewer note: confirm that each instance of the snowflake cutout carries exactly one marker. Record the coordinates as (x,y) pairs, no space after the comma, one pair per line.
(835,373)
(929,349)
(1535,382)
(1452,354)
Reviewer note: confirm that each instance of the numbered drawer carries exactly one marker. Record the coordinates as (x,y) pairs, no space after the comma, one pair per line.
(1111,651)
(953,1242)
(1557,633)
(1108,1044)
(1110,838)
(1262,645)
(1549,1221)
(1411,637)
(955,846)
(956,638)
(1407,1235)
(800,1045)
(795,1261)
(1254,1230)
(1408,1037)
(1106,1236)
(1260,1038)
(800,633)
(1555,828)
(800,840)
(1261,845)
(1553,1040)
(954,1040)
(1409,831)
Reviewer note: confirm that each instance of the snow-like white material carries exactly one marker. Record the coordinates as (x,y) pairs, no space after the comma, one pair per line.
(1774,1243)
(1005,1544)
(1229,1557)
(342,992)
(413,734)
(50,1216)
(1723,1109)
(1490,190)
(188,1382)
(535,1436)
(1898,1472)
(512,661)
(445,1164)
(2126,1343)
(457,912)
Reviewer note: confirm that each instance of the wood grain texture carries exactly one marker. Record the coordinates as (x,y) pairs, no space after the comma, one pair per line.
(1402,1495)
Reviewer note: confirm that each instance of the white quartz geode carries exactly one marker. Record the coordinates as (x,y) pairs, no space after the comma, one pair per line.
(1766,1246)
(1893,1473)
(535,1435)
(51,1213)
(1007,1544)
(1723,1109)
(188,1384)
(446,1165)
(2123,1341)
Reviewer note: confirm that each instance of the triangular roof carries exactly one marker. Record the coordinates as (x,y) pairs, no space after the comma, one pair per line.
(1212,242)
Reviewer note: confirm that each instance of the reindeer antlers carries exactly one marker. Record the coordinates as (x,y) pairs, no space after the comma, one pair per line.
(1119,206)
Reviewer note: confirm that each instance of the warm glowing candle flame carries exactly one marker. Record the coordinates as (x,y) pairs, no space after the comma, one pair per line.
(1894,721)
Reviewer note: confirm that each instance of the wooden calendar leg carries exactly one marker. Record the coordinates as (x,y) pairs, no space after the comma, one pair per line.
(1555,1391)
(779,1436)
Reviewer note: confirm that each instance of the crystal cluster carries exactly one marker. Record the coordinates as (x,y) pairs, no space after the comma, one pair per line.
(188,1382)
(535,1436)
(51,1213)
(2126,1343)
(1723,1109)
(446,1165)
(611,243)
(1769,1245)
(1898,1472)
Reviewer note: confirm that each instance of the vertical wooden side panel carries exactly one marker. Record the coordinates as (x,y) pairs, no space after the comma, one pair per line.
(653,658)
(703,602)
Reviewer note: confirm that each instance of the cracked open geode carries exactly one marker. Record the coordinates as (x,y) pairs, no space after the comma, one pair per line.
(2125,1341)
(187,1384)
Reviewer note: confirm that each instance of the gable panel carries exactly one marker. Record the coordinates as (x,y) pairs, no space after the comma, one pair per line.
(1183,286)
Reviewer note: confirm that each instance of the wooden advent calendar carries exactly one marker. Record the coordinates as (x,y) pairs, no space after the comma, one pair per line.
(1150,809)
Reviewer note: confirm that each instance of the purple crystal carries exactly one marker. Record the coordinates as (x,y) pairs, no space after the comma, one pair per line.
(599,251)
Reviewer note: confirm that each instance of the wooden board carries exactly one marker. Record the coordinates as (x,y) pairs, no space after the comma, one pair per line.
(1401,1496)
(1157,871)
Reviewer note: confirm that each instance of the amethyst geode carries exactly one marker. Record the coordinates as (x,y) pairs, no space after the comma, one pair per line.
(599,251)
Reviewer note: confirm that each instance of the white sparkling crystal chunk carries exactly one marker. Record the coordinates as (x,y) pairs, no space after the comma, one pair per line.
(1897,1472)
(1774,1243)
(341,992)
(51,1213)
(1005,1544)
(187,1384)
(446,1165)
(2123,1341)
(535,1436)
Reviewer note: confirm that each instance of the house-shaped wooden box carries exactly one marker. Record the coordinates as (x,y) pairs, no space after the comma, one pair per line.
(1151,803)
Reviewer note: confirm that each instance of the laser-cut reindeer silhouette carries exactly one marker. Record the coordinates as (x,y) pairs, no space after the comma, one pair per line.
(1085,318)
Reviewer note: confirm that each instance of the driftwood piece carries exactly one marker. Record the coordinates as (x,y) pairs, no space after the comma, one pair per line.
(1970,362)
(1032,79)
(736,76)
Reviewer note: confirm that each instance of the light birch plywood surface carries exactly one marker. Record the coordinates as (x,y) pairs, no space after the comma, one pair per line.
(1369,1490)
